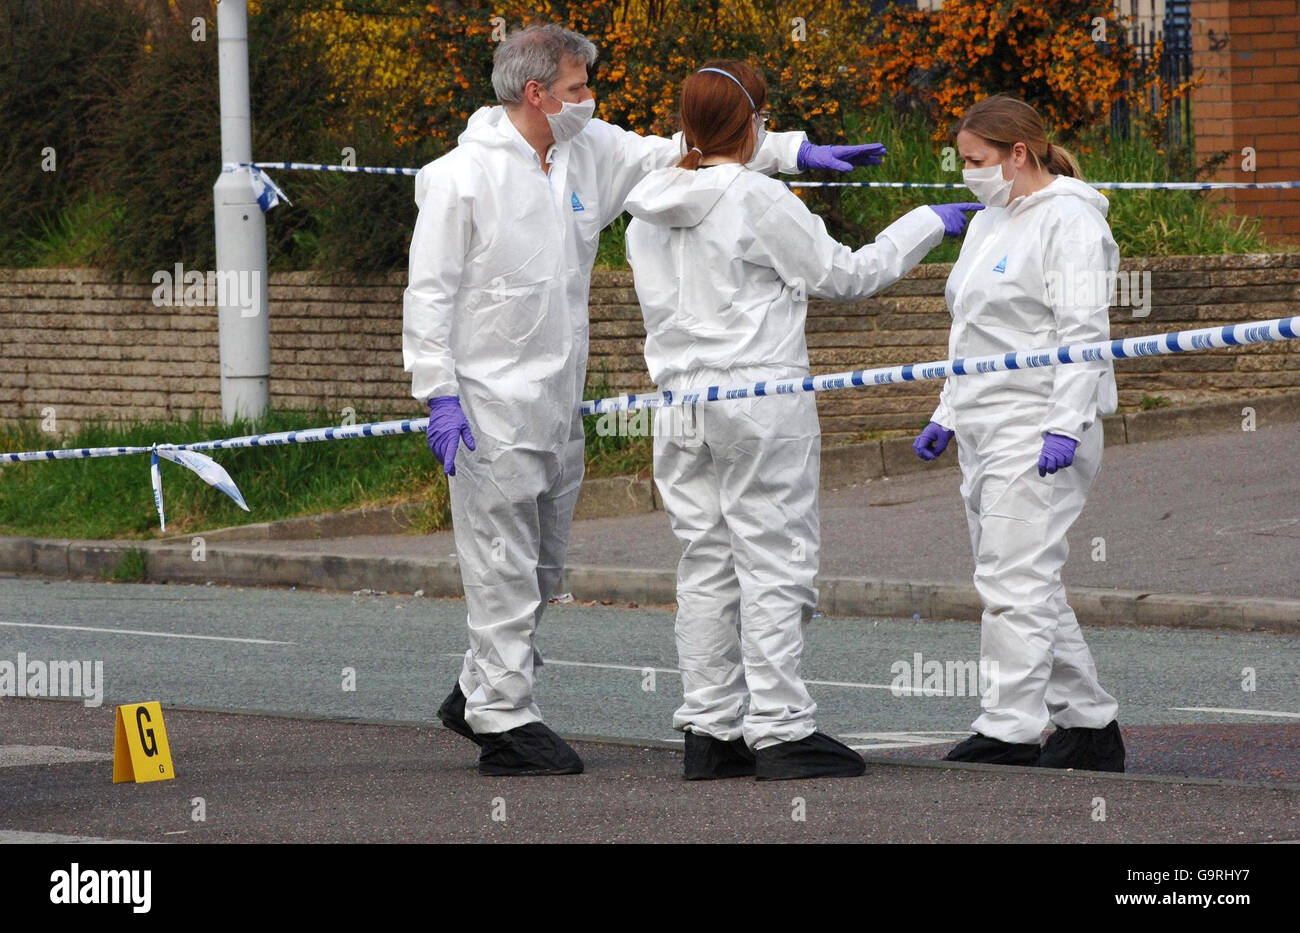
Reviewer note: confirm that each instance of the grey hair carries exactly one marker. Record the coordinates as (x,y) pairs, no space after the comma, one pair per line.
(534,54)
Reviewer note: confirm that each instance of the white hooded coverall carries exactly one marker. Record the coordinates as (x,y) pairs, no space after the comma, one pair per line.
(1035,273)
(724,260)
(496,312)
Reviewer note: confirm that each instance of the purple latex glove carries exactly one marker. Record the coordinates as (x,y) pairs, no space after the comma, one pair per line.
(954,216)
(447,428)
(1058,453)
(839,158)
(933,441)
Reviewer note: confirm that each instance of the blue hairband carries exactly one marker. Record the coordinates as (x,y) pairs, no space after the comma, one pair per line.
(738,84)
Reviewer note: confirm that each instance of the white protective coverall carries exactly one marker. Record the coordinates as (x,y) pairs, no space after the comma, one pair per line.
(724,260)
(496,312)
(1035,273)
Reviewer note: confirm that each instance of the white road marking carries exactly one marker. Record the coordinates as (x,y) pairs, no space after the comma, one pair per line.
(1258,528)
(129,631)
(22,756)
(860,748)
(902,691)
(900,739)
(1241,712)
(612,667)
(915,738)
(12,836)
(884,745)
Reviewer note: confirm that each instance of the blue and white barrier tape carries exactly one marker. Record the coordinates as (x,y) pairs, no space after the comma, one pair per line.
(1105,185)
(304,436)
(268,193)
(208,470)
(1100,185)
(321,167)
(310,435)
(1185,341)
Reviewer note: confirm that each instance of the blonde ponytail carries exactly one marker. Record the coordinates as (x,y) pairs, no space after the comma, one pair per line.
(1060,161)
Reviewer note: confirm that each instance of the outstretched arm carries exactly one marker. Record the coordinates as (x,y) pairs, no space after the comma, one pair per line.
(793,240)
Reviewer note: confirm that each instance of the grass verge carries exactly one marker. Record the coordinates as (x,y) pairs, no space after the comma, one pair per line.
(111,497)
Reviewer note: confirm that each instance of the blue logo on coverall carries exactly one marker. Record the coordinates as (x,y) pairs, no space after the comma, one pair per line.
(577,205)
(1001,266)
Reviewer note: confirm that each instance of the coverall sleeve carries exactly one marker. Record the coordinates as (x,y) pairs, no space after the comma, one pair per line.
(1076,247)
(793,240)
(439,246)
(778,154)
(628,157)
(943,414)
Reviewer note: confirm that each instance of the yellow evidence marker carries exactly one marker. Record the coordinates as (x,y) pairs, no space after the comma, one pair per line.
(141,752)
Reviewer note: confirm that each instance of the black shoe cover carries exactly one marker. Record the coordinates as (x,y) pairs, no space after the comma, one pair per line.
(1084,749)
(452,715)
(814,757)
(708,759)
(989,751)
(528,749)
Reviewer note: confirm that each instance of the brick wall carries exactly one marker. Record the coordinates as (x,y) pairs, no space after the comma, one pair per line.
(90,346)
(1249,54)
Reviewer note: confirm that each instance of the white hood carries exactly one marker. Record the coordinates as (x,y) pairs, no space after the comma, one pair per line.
(486,128)
(1065,186)
(678,197)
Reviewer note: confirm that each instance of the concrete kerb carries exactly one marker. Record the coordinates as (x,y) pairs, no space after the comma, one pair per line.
(840,596)
(1167,423)
(374,520)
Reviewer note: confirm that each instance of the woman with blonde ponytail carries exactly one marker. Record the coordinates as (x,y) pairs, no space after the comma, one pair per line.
(1035,270)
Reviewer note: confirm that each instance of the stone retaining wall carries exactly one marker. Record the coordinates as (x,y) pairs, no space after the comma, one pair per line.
(86,345)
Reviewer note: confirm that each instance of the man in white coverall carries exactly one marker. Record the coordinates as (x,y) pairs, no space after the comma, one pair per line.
(495,337)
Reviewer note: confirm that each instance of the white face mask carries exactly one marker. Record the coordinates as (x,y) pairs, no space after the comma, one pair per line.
(988,185)
(571,119)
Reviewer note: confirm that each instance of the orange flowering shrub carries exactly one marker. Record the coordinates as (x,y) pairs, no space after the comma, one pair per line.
(647,48)
(1068,58)
(370,58)
(425,75)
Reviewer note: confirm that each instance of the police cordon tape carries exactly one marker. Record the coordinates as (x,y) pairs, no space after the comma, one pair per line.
(1099,185)
(1184,341)
(1104,186)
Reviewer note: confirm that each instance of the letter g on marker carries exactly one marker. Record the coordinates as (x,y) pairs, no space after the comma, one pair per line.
(146,735)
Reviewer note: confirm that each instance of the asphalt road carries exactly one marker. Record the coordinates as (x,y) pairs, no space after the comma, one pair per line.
(264,779)
(609,671)
(312,772)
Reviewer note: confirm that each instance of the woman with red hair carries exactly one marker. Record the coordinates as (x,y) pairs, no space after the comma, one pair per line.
(724,260)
